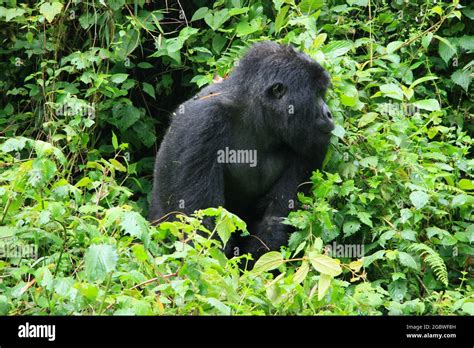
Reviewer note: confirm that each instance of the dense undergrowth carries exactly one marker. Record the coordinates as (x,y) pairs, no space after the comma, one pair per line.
(86,92)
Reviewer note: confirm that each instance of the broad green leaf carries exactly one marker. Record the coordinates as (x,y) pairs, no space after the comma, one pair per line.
(391,90)
(100,259)
(149,89)
(50,10)
(466,184)
(407,260)
(419,199)
(320,39)
(4,305)
(325,264)
(118,78)
(246,28)
(13,144)
(83,182)
(363,3)
(426,39)
(461,78)
(393,46)
(268,261)
(134,224)
(307,6)
(200,14)
(427,104)
(339,131)
(11,13)
(445,49)
(371,258)
(337,48)
(367,119)
(216,19)
(365,218)
(468,308)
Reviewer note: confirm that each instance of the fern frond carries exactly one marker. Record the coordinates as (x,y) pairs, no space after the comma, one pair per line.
(433,259)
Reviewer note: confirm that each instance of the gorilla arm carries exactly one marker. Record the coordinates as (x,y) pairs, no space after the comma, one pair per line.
(269,233)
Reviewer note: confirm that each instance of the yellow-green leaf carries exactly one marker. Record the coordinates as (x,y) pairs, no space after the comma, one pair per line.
(268,261)
(325,264)
(301,273)
(50,9)
(323,285)
(117,165)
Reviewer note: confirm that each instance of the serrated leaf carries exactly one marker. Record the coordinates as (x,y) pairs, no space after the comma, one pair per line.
(371,161)
(365,218)
(461,78)
(100,259)
(325,264)
(268,261)
(426,40)
(134,224)
(350,227)
(445,49)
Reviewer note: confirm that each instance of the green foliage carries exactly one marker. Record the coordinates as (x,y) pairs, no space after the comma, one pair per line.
(85,90)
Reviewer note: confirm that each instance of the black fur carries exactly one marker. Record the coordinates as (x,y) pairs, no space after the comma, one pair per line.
(272,103)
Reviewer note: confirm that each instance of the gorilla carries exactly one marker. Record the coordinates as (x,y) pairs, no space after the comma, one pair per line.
(246,144)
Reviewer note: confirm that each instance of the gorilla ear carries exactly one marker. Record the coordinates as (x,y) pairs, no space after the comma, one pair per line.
(277,90)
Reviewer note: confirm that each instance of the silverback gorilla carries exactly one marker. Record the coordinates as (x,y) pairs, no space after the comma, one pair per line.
(246,144)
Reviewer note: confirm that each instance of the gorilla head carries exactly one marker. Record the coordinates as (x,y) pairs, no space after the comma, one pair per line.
(287,88)
(271,105)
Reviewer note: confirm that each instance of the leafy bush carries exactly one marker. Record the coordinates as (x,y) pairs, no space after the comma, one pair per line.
(84,85)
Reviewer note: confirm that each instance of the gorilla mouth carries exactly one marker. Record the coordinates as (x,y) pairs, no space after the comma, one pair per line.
(327,131)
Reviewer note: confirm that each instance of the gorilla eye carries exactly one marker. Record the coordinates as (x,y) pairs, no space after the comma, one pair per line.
(278,90)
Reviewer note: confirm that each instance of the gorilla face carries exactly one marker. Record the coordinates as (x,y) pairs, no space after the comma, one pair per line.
(289,88)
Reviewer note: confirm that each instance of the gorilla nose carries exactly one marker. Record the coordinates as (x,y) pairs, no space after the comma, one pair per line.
(328,114)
